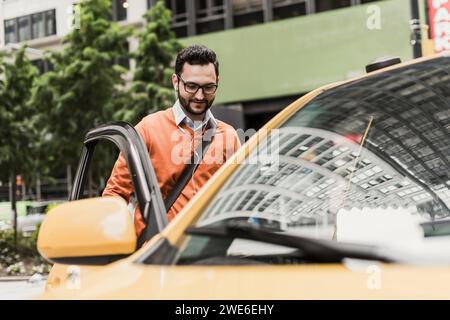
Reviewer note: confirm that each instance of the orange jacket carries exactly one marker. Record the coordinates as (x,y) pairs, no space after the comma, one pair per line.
(170,148)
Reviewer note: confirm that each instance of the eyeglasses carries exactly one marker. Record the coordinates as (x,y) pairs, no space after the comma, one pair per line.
(192,87)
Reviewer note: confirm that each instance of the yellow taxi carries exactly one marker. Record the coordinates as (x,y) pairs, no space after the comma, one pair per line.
(345,194)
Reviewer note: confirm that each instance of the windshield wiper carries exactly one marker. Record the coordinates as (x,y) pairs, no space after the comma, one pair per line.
(326,251)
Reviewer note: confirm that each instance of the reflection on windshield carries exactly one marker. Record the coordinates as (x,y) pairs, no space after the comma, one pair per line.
(299,192)
(381,142)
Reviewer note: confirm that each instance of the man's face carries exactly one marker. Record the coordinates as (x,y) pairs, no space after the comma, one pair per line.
(195,103)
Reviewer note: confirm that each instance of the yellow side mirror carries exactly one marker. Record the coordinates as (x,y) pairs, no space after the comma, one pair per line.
(89,231)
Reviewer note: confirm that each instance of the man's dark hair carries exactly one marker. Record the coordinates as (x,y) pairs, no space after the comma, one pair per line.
(196,55)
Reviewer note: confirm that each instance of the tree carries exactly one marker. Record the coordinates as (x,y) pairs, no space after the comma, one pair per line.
(17,118)
(151,88)
(80,92)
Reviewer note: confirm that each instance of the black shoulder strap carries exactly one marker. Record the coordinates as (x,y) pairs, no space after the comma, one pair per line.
(182,181)
(189,170)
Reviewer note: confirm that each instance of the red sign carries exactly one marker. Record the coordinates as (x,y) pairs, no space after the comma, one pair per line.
(439,11)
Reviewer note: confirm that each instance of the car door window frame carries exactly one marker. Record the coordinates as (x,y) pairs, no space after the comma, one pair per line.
(143,177)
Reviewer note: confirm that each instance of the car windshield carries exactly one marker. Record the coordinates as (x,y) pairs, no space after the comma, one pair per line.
(365,162)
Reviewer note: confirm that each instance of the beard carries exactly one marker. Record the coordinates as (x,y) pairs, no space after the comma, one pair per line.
(188,105)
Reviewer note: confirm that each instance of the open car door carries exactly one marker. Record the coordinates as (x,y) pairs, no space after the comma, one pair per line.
(145,183)
(126,140)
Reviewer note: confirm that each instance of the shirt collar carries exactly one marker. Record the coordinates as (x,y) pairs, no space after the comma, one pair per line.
(180,117)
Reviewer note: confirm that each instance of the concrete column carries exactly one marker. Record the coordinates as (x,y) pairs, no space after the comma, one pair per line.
(268,10)
(190,8)
(229,14)
(310,7)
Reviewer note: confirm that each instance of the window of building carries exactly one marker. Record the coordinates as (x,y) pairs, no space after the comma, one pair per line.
(179,17)
(207,16)
(247,13)
(10,31)
(38,25)
(119,8)
(24,28)
(248,19)
(288,9)
(209,8)
(50,22)
(324,5)
(210,16)
(30,27)
(210,26)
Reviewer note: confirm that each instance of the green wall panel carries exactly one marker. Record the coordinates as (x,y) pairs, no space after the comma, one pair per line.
(296,55)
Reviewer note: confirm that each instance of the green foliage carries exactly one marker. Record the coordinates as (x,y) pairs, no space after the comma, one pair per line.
(26,247)
(151,89)
(17,116)
(23,258)
(79,94)
(45,118)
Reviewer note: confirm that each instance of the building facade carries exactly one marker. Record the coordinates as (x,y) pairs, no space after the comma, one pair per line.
(270,51)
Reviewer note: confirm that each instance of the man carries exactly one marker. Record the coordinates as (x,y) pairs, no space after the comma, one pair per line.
(172,135)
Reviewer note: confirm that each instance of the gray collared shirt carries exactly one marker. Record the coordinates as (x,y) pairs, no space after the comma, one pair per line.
(180,117)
